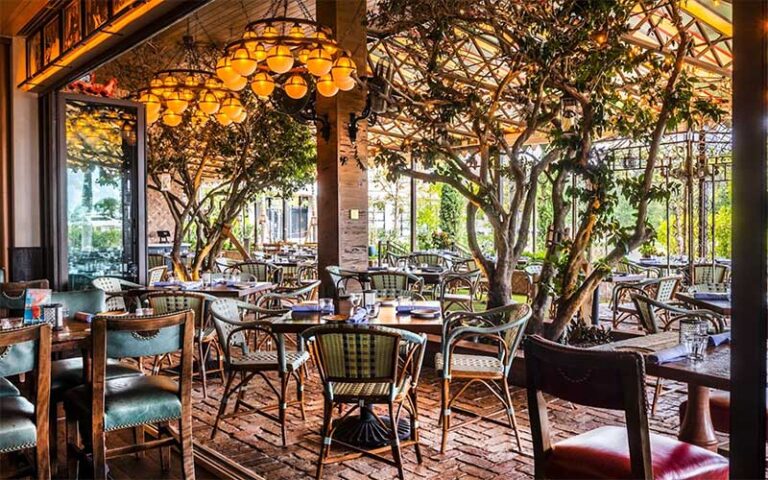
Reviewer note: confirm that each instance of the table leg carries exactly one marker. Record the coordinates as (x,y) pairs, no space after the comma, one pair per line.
(366,431)
(696,427)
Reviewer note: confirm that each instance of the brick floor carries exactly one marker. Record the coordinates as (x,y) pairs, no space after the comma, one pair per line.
(480,451)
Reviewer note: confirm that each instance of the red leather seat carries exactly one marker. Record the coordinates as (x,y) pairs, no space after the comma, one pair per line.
(719,410)
(604,453)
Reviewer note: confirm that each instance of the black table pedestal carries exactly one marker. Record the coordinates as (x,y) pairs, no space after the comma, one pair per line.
(366,432)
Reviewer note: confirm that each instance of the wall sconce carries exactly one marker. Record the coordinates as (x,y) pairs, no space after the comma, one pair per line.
(570,112)
(378,101)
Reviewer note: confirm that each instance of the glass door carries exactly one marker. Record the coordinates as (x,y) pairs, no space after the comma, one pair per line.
(104,189)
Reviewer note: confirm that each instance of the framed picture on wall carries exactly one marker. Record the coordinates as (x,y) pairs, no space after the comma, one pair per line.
(51,41)
(34,53)
(96,15)
(73,29)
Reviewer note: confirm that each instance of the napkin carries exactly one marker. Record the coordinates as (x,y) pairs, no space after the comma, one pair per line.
(710,295)
(165,284)
(305,307)
(360,316)
(377,269)
(668,355)
(405,308)
(719,339)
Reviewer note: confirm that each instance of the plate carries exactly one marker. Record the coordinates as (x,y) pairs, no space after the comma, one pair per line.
(335,318)
(424,312)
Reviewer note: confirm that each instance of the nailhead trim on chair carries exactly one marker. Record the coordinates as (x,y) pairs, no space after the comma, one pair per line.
(18,447)
(138,424)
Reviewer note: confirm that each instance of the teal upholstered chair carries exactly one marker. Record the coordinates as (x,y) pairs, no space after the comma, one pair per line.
(24,424)
(366,365)
(205,334)
(109,405)
(503,326)
(68,373)
(2,275)
(234,333)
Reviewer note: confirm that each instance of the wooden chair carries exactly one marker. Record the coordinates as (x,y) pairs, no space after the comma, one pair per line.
(608,380)
(660,289)
(504,326)
(205,333)
(240,360)
(24,424)
(367,365)
(116,290)
(104,406)
(395,284)
(263,271)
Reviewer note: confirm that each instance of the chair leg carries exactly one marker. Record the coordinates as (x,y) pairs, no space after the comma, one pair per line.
(325,439)
(511,413)
(446,413)
(99,454)
(185,436)
(165,452)
(415,426)
(138,439)
(284,378)
(53,436)
(72,444)
(395,441)
(224,400)
(656,394)
(300,393)
(201,368)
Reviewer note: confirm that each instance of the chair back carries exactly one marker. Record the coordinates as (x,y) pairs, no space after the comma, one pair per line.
(393,283)
(89,301)
(155,260)
(465,265)
(172,302)
(665,288)
(626,267)
(285,296)
(156,274)
(111,286)
(263,271)
(597,379)
(706,274)
(522,284)
(430,259)
(646,311)
(307,273)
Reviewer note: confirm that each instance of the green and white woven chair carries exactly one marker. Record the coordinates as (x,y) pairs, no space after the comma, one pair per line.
(430,259)
(396,284)
(628,267)
(263,271)
(458,290)
(341,279)
(367,365)
(503,326)
(707,274)
(284,297)
(660,289)
(205,333)
(234,332)
(116,290)
(156,274)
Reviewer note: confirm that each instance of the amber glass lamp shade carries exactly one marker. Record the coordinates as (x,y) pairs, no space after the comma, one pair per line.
(208,103)
(319,62)
(280,58)
(237,84)
(175,103)
(326,86)
(262,84)
(343,68)
(295,87)
(224,69)
(171,119)
(243,62)
(345,84)
(223,119)
(231,107)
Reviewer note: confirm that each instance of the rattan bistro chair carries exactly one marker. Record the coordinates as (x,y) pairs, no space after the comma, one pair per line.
(396,284)
(109,405)
(607,380)
(24,424)
(263,271)
(116,290)
(205,333)
(504,326)
(156,274)
(660,289)
(458,290)
(367,365)
(284,297)
(234,332)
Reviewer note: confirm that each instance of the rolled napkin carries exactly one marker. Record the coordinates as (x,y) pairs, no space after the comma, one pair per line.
(719,339)
(666,355)
(377,269)
(359,316)
(405,308)
(710,295)
(191,285)
(306,307)
(165,284)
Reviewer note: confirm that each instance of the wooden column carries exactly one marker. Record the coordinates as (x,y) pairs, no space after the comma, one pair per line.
(6,192)
(750,224)
(342,197)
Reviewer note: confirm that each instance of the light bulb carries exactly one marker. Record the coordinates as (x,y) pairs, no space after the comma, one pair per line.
(176,104)
(262,84)
(269,32)
(319,62)
(237,84)
(326,86)
(224,69)
(208,103)
(345,84)
(223,119)
(171,119)
(280,58)
(259,52)
(343,67)
(295,87)
(296,32)
(231,107)
(243,62)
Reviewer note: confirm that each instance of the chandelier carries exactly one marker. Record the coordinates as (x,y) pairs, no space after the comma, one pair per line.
(192,93)
(296,55)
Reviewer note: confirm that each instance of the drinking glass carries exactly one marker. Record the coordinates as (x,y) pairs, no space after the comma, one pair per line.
(695,344)
(206,279)
(326,305)
(355,299)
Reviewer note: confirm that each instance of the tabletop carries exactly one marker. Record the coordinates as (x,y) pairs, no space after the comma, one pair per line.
(713,371)
(221,291)
(70,337)
(297,322)
(723,307)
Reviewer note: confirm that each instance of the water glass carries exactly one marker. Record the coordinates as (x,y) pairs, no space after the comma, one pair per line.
(206,279)
(695,344)
(355,299)
(404,301)
(326,305)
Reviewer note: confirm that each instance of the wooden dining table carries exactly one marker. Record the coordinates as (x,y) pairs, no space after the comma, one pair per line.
(721,306)
(218,290)
(714,371)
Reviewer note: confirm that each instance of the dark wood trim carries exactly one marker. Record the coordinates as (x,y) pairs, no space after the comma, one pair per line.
(6,154)
(750,224)
(414,242)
